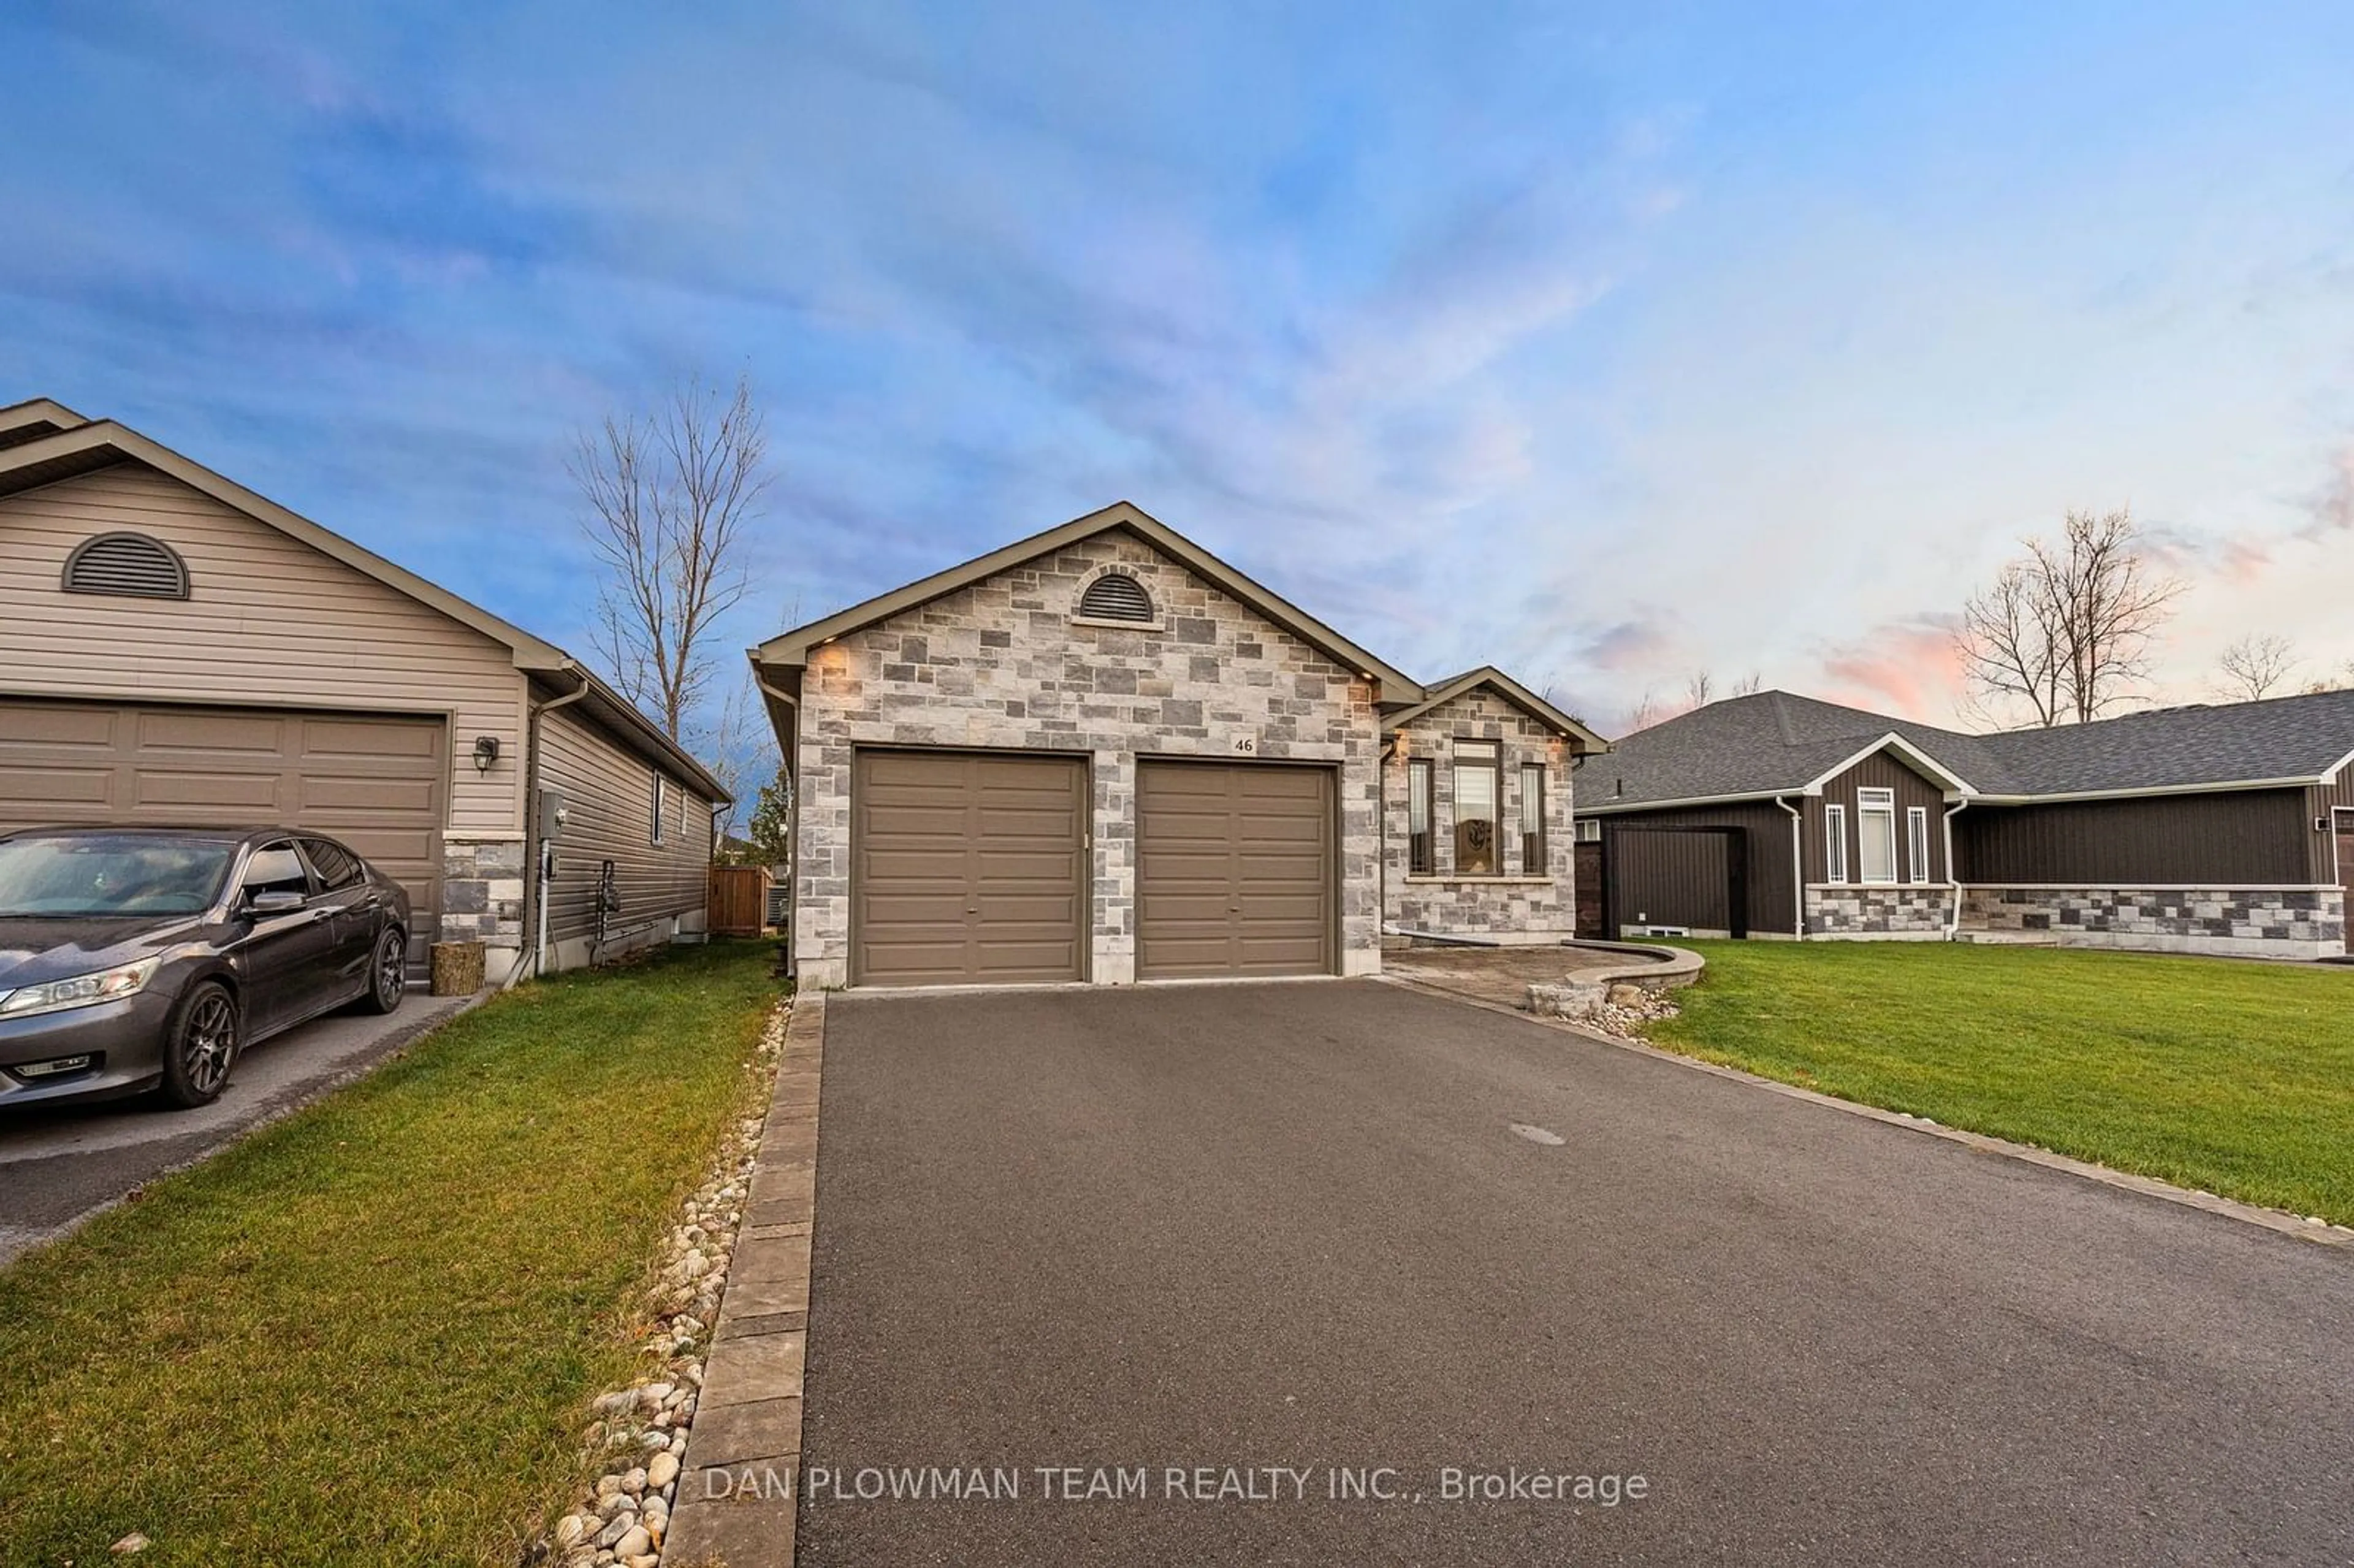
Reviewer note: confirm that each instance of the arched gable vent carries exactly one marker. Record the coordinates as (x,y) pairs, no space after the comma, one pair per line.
(128,566)
(1115,596)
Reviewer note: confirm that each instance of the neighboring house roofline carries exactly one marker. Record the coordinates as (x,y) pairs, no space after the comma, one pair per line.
(1505,686)
(1955,785)
(91,445)
(2211,787)
(1609,807)
(647,738)
(102,442)
(36,414)
(791,649)
(1620,807)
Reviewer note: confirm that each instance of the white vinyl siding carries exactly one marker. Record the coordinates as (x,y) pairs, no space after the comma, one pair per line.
(1875,835)
(270,622)
(1834,843)
(1916,833)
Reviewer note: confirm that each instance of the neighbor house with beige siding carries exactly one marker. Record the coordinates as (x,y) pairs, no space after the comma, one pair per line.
(178,649)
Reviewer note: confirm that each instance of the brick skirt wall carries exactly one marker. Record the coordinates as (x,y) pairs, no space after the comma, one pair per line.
(2261,922)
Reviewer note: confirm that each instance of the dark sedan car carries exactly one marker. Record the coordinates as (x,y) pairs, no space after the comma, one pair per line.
(135,958)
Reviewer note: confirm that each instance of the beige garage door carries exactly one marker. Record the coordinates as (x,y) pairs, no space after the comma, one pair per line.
(375,782)
(1234,870)
(967,869)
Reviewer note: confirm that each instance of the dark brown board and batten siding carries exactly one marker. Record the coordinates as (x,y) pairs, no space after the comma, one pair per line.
(2236,839)
(1878,771)
(1676,876)
(1766,836)
(607,798)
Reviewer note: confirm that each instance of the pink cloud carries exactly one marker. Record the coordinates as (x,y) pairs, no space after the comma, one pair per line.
(1911,668)
(2333,507)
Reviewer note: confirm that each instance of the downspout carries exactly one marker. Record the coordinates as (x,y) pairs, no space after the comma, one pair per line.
(535,951)
(1382,826)
(1798,868)
(1953,872)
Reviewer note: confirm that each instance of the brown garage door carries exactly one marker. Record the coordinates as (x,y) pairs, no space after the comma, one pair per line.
(967,869)
(1234,870)
(372,781)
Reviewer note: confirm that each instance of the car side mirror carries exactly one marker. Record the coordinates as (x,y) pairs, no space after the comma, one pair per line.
(274,901)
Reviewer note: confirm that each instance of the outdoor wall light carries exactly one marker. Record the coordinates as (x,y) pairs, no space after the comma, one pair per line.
(486,751)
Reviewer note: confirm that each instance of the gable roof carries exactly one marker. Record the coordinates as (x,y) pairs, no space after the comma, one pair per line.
(1441,692)
(35,418)
(63,445)
(791,649)
(1776,743)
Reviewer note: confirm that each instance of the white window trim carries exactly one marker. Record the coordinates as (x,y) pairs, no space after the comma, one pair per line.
(1916,843)
(1835,845)
(1871,803)
(655,816)
(1588,830)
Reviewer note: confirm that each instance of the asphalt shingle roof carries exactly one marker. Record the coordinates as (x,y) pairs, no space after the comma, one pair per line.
(1775,742)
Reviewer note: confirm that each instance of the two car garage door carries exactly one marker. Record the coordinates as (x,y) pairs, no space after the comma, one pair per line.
(372,781)
(973,868)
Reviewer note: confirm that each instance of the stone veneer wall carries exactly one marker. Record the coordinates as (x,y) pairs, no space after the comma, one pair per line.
(1530,904)
(2262,922)
(482,891)
(1905,910)
(1003,666)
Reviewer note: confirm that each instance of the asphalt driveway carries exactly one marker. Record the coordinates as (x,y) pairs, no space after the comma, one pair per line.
(59,1164)
(1291,1230)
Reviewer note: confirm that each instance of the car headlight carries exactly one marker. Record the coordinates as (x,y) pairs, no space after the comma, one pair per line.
(79,990)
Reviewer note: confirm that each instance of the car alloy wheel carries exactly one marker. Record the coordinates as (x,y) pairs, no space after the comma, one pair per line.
(391,969)
(209,1042)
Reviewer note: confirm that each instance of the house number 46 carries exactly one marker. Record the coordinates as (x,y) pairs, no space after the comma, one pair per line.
(1245,746)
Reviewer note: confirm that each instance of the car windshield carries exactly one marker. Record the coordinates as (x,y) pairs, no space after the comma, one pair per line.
(110,874)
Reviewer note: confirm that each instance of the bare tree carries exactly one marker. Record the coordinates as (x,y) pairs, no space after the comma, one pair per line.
(1699,688)
(1643,715)
(1749,685)
(2068,627)
(741,753)
(2252,668)
(2343,682)
(669,495)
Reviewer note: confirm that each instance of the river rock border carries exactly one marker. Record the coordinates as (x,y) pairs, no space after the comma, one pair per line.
(1619,997)
(637,1438)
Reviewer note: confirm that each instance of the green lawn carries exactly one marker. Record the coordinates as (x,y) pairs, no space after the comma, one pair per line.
(2236,1077)
(365,1334)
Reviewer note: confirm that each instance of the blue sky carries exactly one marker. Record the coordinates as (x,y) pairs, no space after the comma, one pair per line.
(1606,343)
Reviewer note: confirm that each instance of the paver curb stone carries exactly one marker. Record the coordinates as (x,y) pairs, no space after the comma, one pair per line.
(739,1481)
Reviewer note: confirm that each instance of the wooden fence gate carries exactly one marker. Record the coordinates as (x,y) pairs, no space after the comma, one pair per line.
(738,897)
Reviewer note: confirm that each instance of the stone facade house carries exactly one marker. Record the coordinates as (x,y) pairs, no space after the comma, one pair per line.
(1102,754)
(2224,829)
(180,650)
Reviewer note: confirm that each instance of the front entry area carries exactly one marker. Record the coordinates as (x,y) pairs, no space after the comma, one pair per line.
(1234,866)
(968,868)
